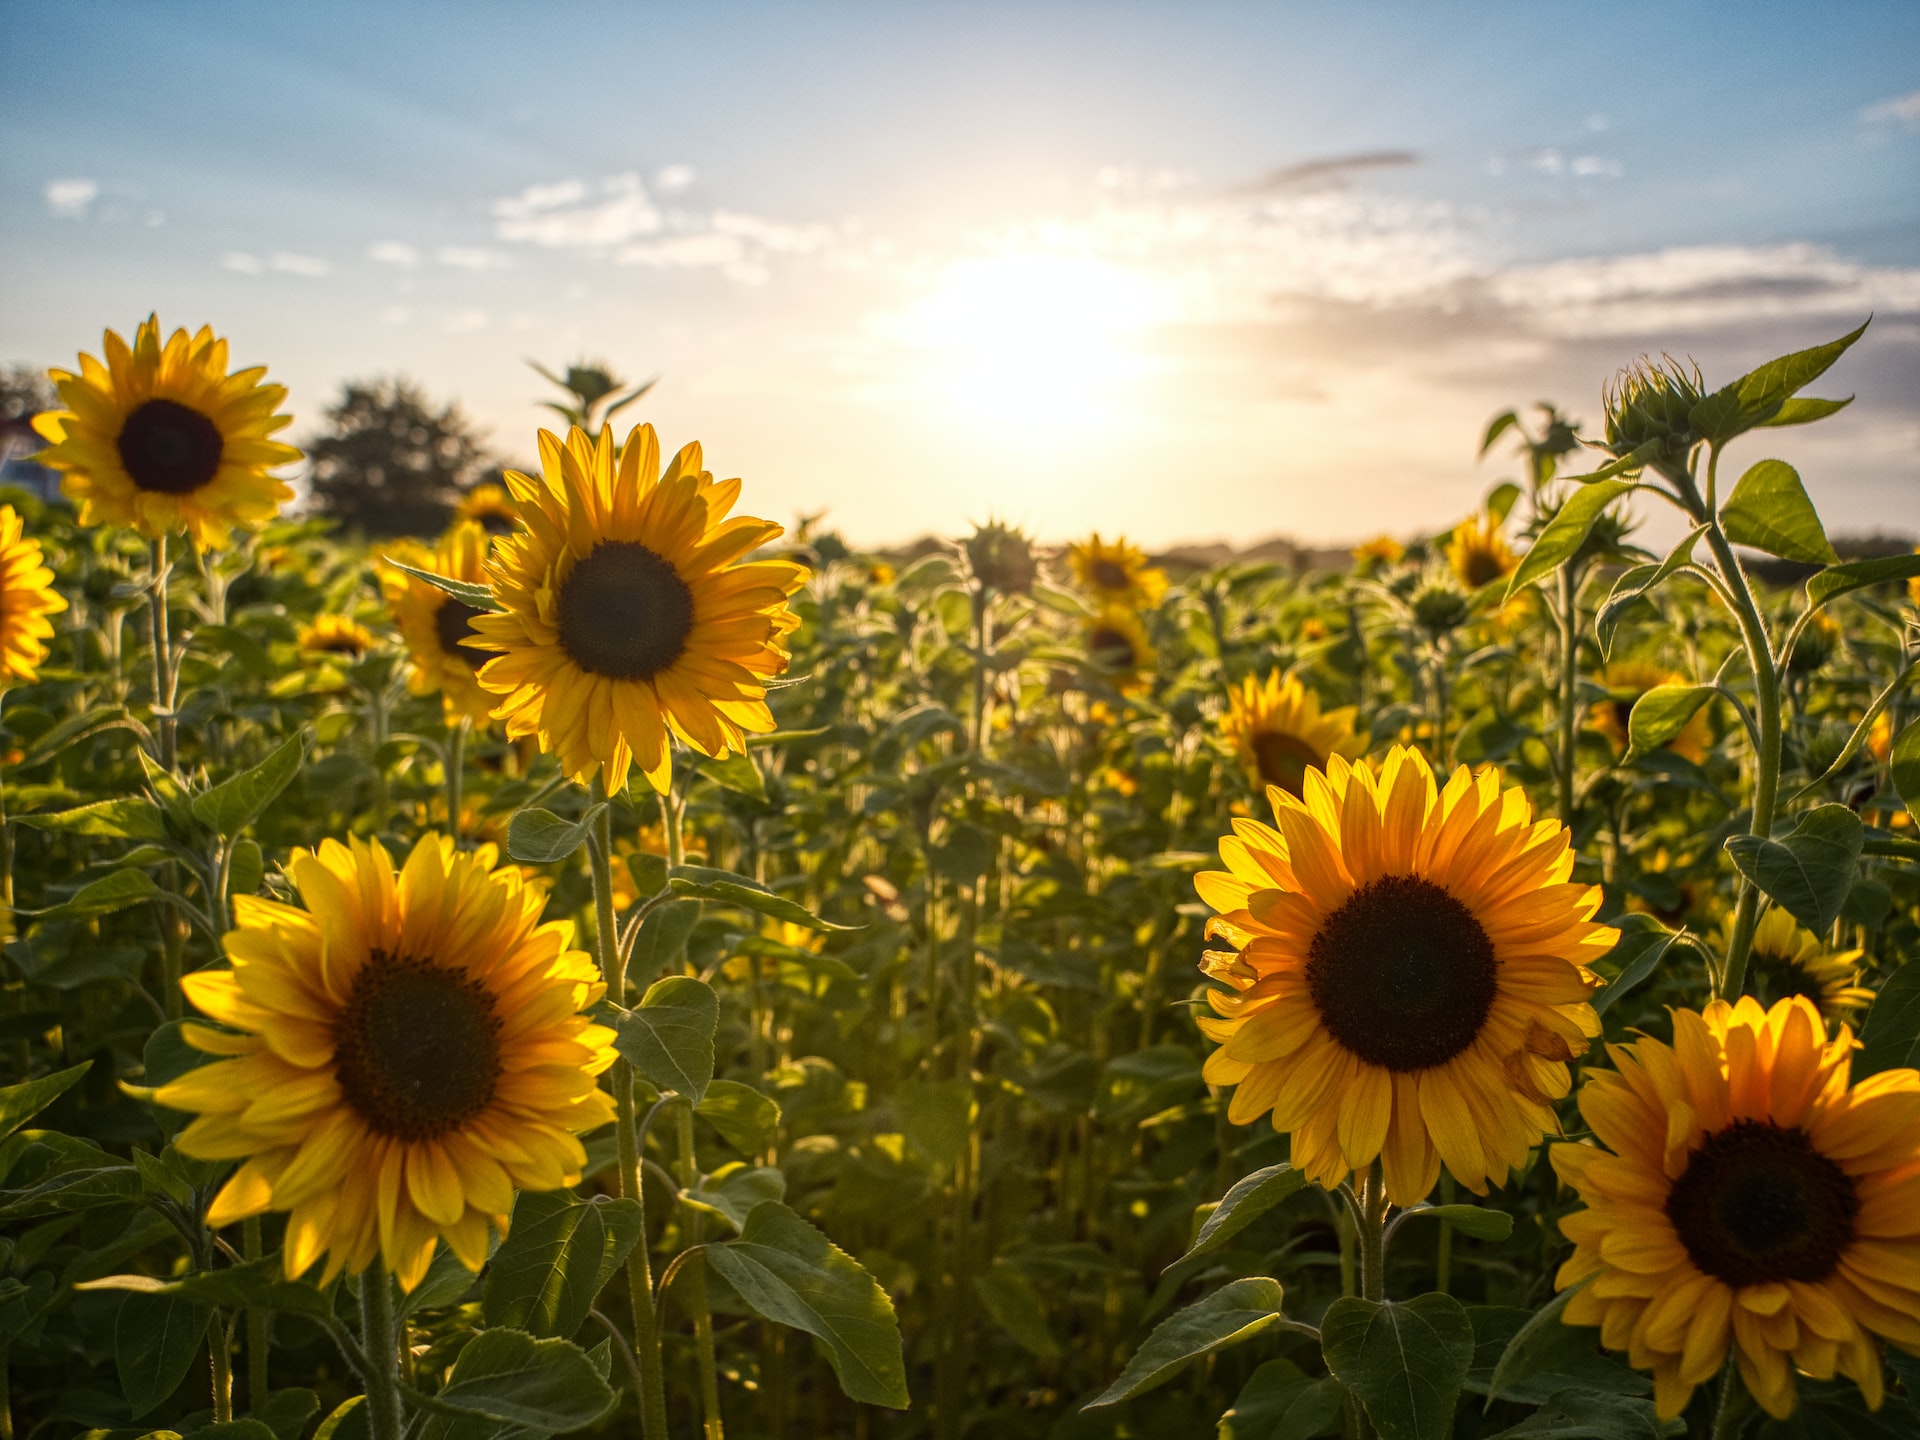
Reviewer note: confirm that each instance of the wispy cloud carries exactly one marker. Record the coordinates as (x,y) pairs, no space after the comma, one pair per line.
(69,199)
(1901,110)
(394,252)
(467,257)
(561,216)
(287,262)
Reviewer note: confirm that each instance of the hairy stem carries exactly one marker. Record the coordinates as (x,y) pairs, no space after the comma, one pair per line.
(381,1347)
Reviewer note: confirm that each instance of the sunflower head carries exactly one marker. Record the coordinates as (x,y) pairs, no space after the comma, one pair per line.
(403,1051)
(1626,681)
(1380,553)
(1652,404)
(630,615)
(490,507)
(443,652)
(1817,644)
(162,439)
(1117,574)
(1118,647)
(1002,558)
(1788,960)
(27,598)
(1408,973)
(331,636)
(1479,553)
(1280,732)
(1440,606)
(1743,1195)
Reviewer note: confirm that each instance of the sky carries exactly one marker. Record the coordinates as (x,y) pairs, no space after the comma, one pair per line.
(1189,271)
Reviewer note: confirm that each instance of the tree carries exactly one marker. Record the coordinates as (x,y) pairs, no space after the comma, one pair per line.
(390,462)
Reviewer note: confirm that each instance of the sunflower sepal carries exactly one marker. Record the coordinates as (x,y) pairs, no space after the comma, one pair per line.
(480,597)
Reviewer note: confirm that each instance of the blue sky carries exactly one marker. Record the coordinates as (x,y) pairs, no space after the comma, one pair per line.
(1193,271)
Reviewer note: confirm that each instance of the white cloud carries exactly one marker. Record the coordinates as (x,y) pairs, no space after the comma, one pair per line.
(673,178)
(1900,110)
(69,199)
(242,263)
(394,252)
(290,262)
(465,322)
(560,217)
(463,257)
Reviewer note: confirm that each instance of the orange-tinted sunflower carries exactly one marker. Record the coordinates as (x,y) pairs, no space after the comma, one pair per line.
(1280,731)
(27,597)
(405,1051)
(1117,574)
(1117,645)
(1626,681)
(162,439)
(1787,959)
(1409,974)
(439,630)
(335,635)
(490,507)
(1378,553)
(1752,1199)
(1478,552)
(630,615)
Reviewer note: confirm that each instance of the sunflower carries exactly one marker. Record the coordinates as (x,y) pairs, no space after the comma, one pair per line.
(1117,574)
(27,597)
(1788,960)
(1117,644)
(163,439)
(627,619)
(1752,1198)
(1478,552)
(1280,731)
(405,1051)
(331,635)
(442,640)
(490,507)
(1626,681)
(1409,974)
(1378,553)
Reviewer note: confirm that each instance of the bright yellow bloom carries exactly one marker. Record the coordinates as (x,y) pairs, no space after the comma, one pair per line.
(335,635)
(1478,552)
(411,1048)
(438,629)
(1752,1199)
(1626,681)
(1117,644)
(1280,732)
(1117,574)
(628,619)
(27,597)
(1787,960)
(1880,737)
(489,506)
(1380,551)
(1409,974)
(163,439)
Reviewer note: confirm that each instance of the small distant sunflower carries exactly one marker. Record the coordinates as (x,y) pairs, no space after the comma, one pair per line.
(1117,574)
(630,615)
(439,630)
(27,597)
(1409,974)
(1378,553)
(1478,552)
(1280,731)
(1752,1199)
(410,1049)
(1880,737)
(1787,960)
(1117,644)
(163,439)
(331,635)
(490,507)
(1626,681)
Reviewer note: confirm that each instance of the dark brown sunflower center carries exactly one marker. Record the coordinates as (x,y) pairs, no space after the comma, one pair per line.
(1112,649)
(496,523)
(336,645)
(1482,568)
(1110,575)
(1774,977)
(170,449)
(1284,759)
(625,612)
(1403,975)
(452,623)
(1759,1204)
(417,1047)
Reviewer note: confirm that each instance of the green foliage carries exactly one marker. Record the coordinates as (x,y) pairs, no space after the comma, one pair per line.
(1405,1360)
(1233,1314)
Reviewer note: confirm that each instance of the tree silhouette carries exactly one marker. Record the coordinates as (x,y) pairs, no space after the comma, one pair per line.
(390,462)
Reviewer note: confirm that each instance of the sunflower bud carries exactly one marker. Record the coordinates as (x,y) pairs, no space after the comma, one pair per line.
(1002,558)
(1439,608)
(1653,404)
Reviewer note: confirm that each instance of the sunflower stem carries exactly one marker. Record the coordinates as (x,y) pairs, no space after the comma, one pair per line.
(382,1350)
(455,767)
(259,1322)
(1569,682)
(163,671)
(220,1352)
(1443,1258)
(695,1292)
(1731,1408)
(1373,1227)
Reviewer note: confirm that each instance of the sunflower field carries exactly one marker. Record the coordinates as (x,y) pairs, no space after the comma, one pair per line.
(621,970)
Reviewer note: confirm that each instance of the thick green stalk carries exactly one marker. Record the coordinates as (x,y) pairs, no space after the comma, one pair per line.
(163,670)
(380,1342)
(1569,680)
(456,764)
(695,1281)
(1372,1224)
(258,1324)
(220,1351)
(1732,1406)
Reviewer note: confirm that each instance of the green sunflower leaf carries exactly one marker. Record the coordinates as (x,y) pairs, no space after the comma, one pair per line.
(129,817)
(1770,511)
(1567,531)
(480,597)
(1406,1360)
(540,837)
(548,1385)
(668,1036)
(20,1103)
(1281,1402)
(699,882)
(1230,1315)
(1809,871)
(232,805)
(1661,714)
(1251,1197)
(1890,1040)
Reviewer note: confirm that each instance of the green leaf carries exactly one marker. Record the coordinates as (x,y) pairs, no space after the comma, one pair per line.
(1496,427)
(480,597)
(1280,1402)
(1567,531)
(1770,511)
(662,938)
(1806,410)
(1475,1220)
(1405,1360)
(246,868)
(1777,380)
(744,1116)
(668,1037)
(1010,1298)
(790,1273)
(540,837)
(1251,1197)
(348,1421)
(258,1282)
(155,1339)
(1233,1313)
(734,1189)
(1661,714)
(106,895)
(20,1103)
(232,805)
(936,1116)
(698,882)
(546,1273)
(1837,580)
(1809,872)
(507,1375)
(1500,500)
(127,817)
(649,872)
(738,773)
(1890,1040)
(1643,944)
(1905,763)
(1640,581)
(286,1412)
(1535,1346)
(1592,1415)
